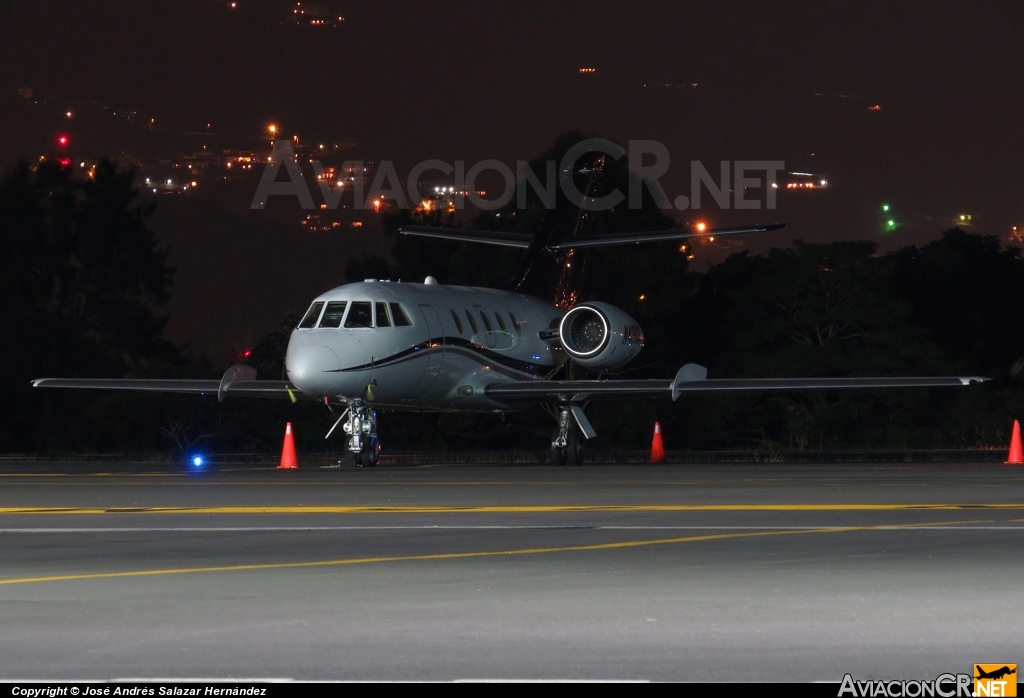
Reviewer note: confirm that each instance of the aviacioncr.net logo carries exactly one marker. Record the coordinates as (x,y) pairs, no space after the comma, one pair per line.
(944,686)
(995,680)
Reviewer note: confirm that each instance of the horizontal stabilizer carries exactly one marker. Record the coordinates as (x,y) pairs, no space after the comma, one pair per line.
(488,237)
(655,236)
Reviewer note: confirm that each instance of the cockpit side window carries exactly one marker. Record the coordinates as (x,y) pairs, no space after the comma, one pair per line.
(487,322)
(310,318)
(359,315)
(501,323)
(515,323)
(382,315)
(472,322)
(399,316)
(458,322)
(332,316)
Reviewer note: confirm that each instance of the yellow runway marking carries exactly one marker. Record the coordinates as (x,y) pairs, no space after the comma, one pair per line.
(527,509)
(378,483)
(461,556)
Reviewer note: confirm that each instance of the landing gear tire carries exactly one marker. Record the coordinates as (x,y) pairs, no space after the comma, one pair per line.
(368,455)
(371,453)
(574,452)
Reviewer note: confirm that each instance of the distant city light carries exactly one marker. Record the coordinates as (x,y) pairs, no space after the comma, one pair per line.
(585,71)
(68,114)
(701,226)
(885,208)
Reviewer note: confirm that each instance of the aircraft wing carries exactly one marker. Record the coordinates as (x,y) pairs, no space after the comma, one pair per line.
(489,237)
(656,236)
(692,378)
(237,380)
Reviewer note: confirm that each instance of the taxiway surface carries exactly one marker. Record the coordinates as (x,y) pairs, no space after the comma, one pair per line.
(726,572)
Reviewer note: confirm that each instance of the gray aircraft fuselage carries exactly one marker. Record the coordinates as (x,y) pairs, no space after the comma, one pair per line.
(458,339)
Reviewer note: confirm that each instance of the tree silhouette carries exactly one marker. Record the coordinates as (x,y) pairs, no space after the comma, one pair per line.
(80,277)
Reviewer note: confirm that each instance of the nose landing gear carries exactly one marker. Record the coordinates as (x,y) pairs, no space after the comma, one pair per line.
(362,444)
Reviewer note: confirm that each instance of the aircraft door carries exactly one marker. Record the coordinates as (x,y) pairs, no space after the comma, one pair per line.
(434,348)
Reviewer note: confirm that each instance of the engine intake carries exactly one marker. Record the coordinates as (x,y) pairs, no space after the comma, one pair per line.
(599,335)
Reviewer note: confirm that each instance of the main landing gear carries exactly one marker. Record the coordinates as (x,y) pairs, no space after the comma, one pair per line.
(568,443)
(361,443)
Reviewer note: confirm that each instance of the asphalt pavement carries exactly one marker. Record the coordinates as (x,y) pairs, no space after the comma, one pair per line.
(725,572)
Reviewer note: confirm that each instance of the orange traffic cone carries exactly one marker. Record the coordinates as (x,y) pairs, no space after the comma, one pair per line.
(1016,450)
(657,447)
(288,457)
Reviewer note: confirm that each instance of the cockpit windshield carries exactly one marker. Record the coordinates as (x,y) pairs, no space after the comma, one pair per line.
(360,315)
(309,319)
(332,316)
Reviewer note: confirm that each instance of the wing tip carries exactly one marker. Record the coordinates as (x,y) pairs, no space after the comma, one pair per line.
(971,380)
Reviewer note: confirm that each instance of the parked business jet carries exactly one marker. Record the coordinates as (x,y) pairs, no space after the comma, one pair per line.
(430,346)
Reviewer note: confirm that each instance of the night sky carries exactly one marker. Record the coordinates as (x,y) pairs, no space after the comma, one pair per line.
(789,81)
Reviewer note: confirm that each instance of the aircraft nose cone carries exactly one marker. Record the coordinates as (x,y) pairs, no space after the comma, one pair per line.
(313,368)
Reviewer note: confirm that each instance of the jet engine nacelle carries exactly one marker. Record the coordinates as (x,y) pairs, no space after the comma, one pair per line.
(599,335)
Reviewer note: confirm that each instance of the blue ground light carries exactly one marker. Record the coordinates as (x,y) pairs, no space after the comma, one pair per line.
(196,461)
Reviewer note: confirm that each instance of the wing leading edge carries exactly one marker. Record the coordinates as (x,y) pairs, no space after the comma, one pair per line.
(238,380)
(692,378)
